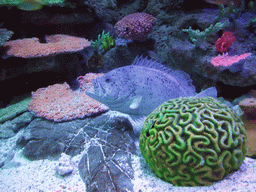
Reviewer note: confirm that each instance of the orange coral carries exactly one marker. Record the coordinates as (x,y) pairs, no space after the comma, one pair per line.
(31,47)
(60,103)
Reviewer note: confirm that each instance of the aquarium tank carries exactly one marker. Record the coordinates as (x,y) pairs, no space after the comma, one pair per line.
(127,96)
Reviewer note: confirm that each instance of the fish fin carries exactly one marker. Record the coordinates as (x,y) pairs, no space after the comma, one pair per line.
(210,92)
(137,122)
(136,102)
(94,96)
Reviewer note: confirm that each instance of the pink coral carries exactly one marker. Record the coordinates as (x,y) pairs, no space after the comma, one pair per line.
(226,60)
(135,26)
(60,103)
(225,41)
(55,44)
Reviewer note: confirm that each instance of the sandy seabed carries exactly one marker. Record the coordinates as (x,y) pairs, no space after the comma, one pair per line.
(23,175)
(40,176)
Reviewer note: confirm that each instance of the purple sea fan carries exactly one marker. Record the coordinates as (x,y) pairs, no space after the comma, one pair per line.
(135,26)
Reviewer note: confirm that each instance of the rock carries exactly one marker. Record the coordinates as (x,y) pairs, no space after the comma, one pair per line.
(45,139)
(106,164)
(176,50)
(65,165)
(107,142)
(9,128)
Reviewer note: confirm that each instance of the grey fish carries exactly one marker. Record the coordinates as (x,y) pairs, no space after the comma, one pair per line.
(139,88)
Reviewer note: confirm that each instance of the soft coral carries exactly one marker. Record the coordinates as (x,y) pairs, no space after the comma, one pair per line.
(225,41)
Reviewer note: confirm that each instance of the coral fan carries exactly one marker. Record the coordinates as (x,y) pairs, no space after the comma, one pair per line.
(31,47)
(225,41)
(59,103)
(135,26)
(193,141)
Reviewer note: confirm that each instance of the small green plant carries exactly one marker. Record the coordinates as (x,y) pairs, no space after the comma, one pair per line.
(197,36)
(103,43)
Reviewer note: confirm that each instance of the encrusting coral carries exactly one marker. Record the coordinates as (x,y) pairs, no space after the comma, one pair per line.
(59,102)
(193,141)
(55,44)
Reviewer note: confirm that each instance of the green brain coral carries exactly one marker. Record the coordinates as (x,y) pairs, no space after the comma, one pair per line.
(193,141)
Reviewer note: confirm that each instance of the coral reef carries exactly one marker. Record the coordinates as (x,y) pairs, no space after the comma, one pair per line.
(60,103)
(55,44)
(135,26)
(193,141)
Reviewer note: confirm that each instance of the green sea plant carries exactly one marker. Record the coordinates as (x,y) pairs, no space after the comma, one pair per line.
(193,141)
(29,5)
(226,12)
(197,36)
(103,43)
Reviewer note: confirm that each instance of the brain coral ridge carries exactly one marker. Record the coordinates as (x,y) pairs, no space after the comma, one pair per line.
(193,141)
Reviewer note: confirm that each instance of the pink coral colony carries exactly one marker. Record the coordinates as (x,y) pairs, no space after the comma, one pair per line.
(225,60)
(55,44)
(60,103)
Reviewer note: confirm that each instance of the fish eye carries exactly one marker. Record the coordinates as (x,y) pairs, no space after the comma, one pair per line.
(107,80)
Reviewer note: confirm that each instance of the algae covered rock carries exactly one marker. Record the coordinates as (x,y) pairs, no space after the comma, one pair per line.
(4,35)
(193,141)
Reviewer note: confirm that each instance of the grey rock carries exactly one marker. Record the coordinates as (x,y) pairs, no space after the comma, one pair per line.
(107,142)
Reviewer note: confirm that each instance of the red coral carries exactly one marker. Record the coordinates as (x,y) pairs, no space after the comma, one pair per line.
(60,103)
(135,26)
(225,41)
(55,44)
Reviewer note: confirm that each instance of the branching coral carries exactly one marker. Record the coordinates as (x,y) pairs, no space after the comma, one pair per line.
(197,36)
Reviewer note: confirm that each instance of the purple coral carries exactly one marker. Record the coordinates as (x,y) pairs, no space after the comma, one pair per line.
(135,26)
